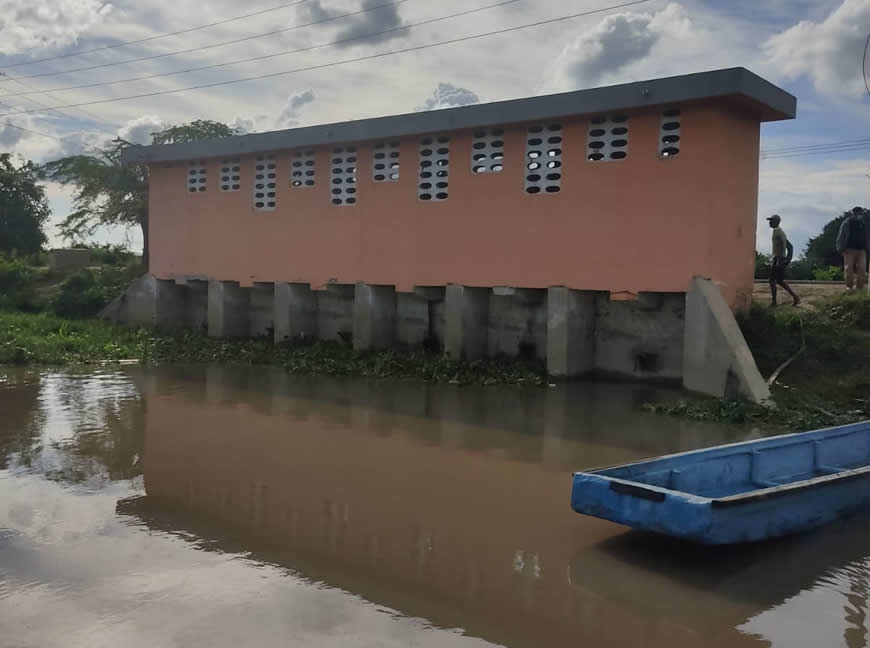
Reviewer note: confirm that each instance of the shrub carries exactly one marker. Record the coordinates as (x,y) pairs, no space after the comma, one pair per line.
(86,293)
(16,285)
(831,273)
(112,255)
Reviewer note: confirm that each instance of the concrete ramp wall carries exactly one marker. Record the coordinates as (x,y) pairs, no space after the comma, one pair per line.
(716,359)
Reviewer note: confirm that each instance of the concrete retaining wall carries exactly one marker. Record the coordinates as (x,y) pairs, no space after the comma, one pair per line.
(69,260)
(657,337)
(642,338)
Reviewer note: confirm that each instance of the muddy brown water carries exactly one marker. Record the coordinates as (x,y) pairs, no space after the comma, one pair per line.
(232,507)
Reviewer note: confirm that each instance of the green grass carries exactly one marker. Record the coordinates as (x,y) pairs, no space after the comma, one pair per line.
(44,339)
(47,339)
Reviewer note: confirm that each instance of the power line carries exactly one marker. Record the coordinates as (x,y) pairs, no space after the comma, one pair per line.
(787,157)
(276,54)
(215,45)
(89,114)
(153,38)
(864,64)
(824,151)
(370,57)
(808,147)
(28,130)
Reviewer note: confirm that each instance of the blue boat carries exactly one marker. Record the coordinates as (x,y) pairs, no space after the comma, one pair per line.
(742,492)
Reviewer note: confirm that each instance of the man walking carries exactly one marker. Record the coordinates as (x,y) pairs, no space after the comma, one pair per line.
(853,243)
(782,254)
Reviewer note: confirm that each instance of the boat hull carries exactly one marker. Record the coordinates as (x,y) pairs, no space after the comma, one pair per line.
(647,495)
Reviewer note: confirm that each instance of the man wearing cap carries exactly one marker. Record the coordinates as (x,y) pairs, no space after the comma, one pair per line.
(782,253)
(853,241)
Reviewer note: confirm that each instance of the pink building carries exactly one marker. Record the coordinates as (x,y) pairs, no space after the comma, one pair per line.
(613,194)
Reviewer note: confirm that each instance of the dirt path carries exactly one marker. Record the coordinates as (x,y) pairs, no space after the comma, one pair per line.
(809,291)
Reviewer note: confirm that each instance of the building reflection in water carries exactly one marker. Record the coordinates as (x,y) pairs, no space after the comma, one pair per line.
(445,503)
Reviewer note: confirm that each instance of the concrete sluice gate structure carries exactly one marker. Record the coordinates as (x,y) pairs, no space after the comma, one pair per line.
(570,228)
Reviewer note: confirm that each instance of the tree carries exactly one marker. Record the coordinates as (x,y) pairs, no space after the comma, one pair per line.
(109,193)
(23,207)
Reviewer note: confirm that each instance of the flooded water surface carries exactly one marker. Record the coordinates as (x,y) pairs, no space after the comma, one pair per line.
(231,507)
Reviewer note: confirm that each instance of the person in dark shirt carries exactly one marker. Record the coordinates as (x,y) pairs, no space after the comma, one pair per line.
(782,254)
(853,242)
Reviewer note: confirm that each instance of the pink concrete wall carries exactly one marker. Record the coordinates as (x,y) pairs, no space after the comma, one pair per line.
(641,224)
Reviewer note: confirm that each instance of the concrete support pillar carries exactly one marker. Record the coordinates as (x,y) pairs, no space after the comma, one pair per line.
(262,309)
(197,304)
(570,332)
(413,326)
(295,312)
(374,317)
(466,322)
(228,309)
(716,359)
(150,301)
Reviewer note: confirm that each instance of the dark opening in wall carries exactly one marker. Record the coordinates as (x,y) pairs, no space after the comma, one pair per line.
(647,362)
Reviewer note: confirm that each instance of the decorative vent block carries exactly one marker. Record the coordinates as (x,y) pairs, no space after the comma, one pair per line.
(231,175)
(608,139)
(544,159)
(385,162)
(265,183)
(434,163)
(302,170)
(487,151)
(197,176)
(669,135)
(343,175)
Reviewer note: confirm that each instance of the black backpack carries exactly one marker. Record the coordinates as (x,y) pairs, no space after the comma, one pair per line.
(857,235)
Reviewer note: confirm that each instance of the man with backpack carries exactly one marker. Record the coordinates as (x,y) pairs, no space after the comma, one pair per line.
(783,251)
(853,242)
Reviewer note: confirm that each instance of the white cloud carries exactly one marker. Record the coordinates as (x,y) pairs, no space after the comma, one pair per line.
(828,52)
(243,125)
(447,95)
(373,21)
(608,47)
(631,46)
(289,115)
(34,26)
(75,144)
(139,130)
(9,135)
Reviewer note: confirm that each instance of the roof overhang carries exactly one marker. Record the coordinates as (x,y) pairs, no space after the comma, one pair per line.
(753,94)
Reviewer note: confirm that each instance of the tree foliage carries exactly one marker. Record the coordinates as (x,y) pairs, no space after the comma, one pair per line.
(200,129)
(23,207)
(108,192)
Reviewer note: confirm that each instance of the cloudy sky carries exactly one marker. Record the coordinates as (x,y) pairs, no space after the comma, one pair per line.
(812,48)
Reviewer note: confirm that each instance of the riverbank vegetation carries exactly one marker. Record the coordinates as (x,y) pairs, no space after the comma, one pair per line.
(29,284)
(46,339)
(828,382)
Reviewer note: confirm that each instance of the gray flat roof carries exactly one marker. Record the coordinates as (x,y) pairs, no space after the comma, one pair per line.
(769,102)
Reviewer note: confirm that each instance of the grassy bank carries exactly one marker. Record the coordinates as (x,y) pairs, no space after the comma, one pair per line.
(827,384)
(45,339)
